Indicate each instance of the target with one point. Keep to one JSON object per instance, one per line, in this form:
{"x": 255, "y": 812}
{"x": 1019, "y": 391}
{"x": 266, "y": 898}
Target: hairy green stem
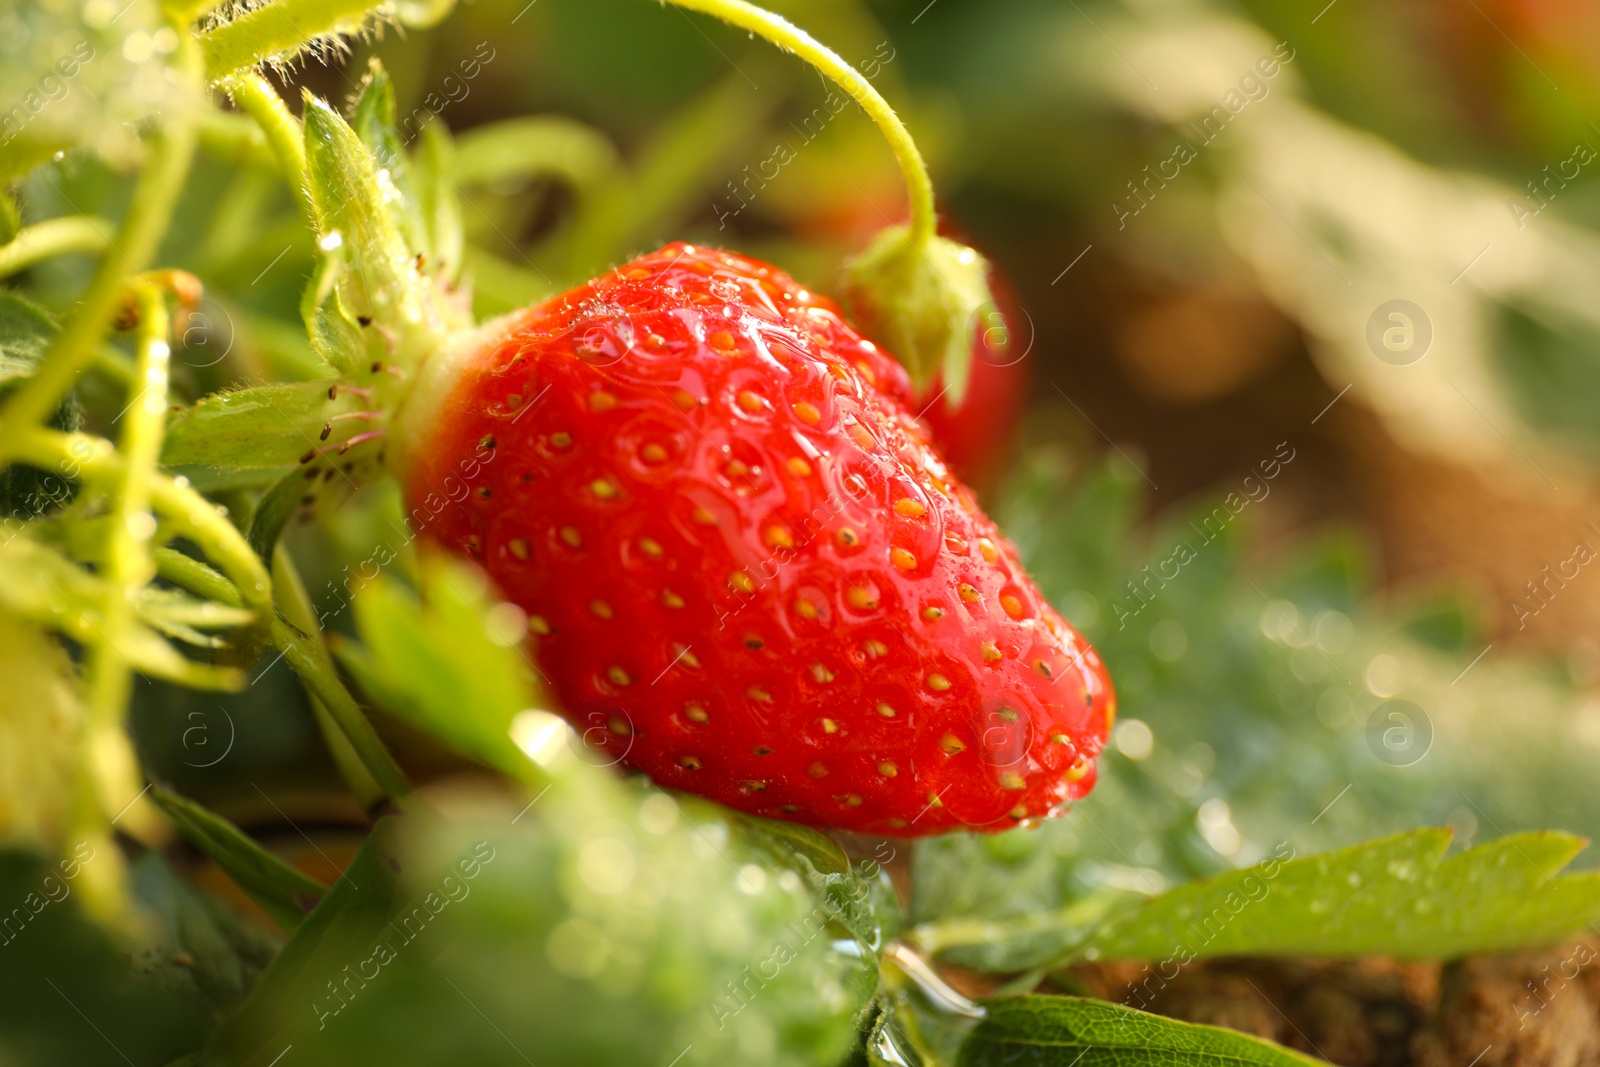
{"x": 295, "y": 603}
{"x": 306, "y": 657}
{"x": 256, "y": 97}
{"x": 171, "y": 149}
{"x": 53, "y": 237}
{"x": 786, "y": 35}
{"x": 278, "y": 30}
{"x": 188, "y": 514}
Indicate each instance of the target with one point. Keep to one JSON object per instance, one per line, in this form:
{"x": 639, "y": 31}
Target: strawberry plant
{"x": 597, "y": 659}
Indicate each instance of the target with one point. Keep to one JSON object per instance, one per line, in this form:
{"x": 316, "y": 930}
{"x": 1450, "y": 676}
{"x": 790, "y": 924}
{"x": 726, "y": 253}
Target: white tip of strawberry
{"x": 919, "y": 299}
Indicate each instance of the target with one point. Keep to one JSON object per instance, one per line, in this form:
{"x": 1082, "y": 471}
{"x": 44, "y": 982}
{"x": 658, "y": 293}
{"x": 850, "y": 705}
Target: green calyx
{"x": 920, "y": 299}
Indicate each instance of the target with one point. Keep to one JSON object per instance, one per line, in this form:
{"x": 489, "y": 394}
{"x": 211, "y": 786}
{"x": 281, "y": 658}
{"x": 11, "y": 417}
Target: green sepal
{"x": 273, "y": 512}
{"x": 380, "y": 282}
{"x": 921, "y": 301}
{"x": 282, "y": 891}
{"x": 262, "y": 426}
{"x": 372, "y": 118}
{"x": 446, "y": 662}
{"x": 438, "y": 204}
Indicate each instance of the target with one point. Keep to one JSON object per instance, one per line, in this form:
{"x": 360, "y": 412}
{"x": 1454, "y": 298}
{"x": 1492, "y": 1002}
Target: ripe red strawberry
{"x": 746, "y": 571}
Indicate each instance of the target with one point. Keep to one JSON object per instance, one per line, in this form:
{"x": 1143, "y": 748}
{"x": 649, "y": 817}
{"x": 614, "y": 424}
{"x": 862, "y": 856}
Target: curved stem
{"x": 278, "y": 30}
{"x": 53, "y": 237}
{"x": 786, "y": 35}
{"x": 256, "y": 97}
{"x": 307, "y": 660}
{"x": 109, "y": 774}
{"x": 190, "y": 514}
{"x": 150, "y": 210}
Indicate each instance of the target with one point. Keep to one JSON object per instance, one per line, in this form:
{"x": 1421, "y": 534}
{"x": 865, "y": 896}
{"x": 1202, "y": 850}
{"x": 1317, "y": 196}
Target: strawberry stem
{"x": 53, "y": 237}
{"x": 277, "y": 31}
{"x": 786, "y": 35}
{"x": 255, "y": 96}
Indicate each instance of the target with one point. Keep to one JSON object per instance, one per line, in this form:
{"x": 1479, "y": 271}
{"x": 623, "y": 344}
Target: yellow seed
{"x": 618, "y": 676}
{"x": 952, "y": 744}
{"x": 817, "y": 770}
{"x": 874, "y": 648}
{"x": 518, "y": 547}
{"x": 620, "y": 726}
{"x": 822, "y": 674}
{"x": 689, "y": 763}
{"x": 933, "y": 613}
{"x": 759, "y": 695}
{"x": 1044, "y": 668}
{"x": 886, "y": 711}
{"x": 938, "y": 683}
{"x": 986, "y": 546}
{"x": 934, "y": 801}
{"x": 650, "y": 547}
{"x": 1012, "y": 780}
{"x": 1060, "y": 739}
{"x": 888, "y": 769}
{"x": 799, "y": 467}
{"x": 863, "y": 437}
{"x": 687, "y": 658}
{"x": 850, "y": 800}
{"x": 859, "y": 597}
{"x": 685, "y": 400}
{"x": 572, "y": 537}
{"x": 750, "y": 402}
{"x": 703, "y": 517}
{"x": 538, "y": 625}
{"x": 753, "y": 787}
{"x": 909, "y": 508}
{"x": 1079, "y": 768}
{"x": 653, "y": 453}
{"x": 561, "y": 440}
{"x": 829, "y": 726}
{"x": 601, "y": 401}
{"x": 695, "y": 713}
{"x": 1011, "y": 605}
{"x": 968, "y": 593}
{"x": 805, "y": 608}
{"x": 723, "y": 341}
{"x": 742, "y": 582}
{"x": 778, "y": 537}
{"x": 1019, "y": 812}
{"x": 671, "y": 599}
{"x": 807, "y": 413}
{"x": 600, "y": 608}
{"x": 847, "y": 537}
{"x": 604, "y": 488}
{"x": 902, "y": 559}
{"x": 991, "y": 652}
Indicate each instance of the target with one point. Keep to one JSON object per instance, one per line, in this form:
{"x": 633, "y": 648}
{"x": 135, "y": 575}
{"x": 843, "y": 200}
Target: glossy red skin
{"x": 774, "y": 709}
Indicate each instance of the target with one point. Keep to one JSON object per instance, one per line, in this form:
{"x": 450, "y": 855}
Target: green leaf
{"x": 921, "y": 301}
{"x": 451, "y": 663}
{"x": 57, "y": 968}
{"x": 373, "y": 121}
{"x": 261, "y": 426}
{"x": 195, "y": 946}
{"x": 282, "y": 891}
{"x": 1392, "y": 896}
{"x": 1050, "y": 1031}
{"x": 599, "y": 921}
